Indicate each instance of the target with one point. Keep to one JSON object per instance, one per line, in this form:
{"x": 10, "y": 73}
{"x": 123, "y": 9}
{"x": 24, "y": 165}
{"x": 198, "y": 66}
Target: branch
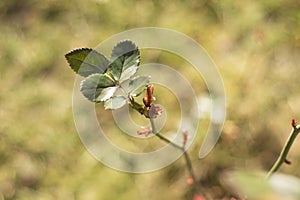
{"x": 186, "y": 156}
{"x": 283, "y": 155}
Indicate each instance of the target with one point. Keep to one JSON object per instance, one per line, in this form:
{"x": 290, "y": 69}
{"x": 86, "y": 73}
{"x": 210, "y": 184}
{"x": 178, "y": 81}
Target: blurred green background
{"x": 255, "y": 45}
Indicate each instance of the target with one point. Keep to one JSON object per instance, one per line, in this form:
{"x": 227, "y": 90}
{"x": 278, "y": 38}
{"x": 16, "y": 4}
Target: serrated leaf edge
{"x": 120, "y": 42}
{"x": 80, "y": 49}
{"x": 84, "y": 80}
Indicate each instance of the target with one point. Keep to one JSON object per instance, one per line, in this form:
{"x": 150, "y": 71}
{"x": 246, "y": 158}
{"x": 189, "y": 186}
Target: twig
{"x": 186, "y": 156}
{"x": 282, "y": 157}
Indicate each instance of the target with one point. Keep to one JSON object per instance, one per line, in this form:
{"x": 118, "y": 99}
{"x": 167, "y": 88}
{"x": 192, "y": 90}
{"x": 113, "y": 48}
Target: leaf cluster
{"x": 103, "y": 76}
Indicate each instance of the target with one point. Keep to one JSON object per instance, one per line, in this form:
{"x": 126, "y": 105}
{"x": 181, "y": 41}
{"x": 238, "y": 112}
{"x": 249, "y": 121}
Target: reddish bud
{"x": 198, "y": 197}
{"x": 149, "y": 96}
{"x": 150, "y": 89}
{"x": 293, "y": 123}
{"x": 190, "y": 181}
{"x": 154, "y": 111}
{"x": 144, "y": 131}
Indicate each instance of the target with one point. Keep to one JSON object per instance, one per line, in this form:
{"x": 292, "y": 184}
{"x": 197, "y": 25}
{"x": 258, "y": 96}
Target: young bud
{"x": 198, "y": 197}
{"x": 154, "y": 111}
{"x": 149, "y": 96}
{"x": 144, "y": 131}
{"x": 190, "y": 181}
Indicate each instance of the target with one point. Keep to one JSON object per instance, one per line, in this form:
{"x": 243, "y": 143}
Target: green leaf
{"x": 87, "y": 61}
{"x": 124, "y": 55}
{"x": 137, "y": 85}
{"x": 115, "y": 102}
{"x": 93, "y": 85}
{"x": 128, "y": 73}
{"x": 106, "y": 94}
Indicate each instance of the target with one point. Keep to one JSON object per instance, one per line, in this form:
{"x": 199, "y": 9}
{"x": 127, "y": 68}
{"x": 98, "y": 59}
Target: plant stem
{"x": 284, "y": 152}
{"x": 140, "y": 109}
{"x": 186, "y": 156}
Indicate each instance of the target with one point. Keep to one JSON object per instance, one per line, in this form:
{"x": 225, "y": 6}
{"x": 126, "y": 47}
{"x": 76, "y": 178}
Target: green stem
{"x": 140, "y": 109}
{"x": 282, "y": 157}
{"x": 186, "y": 156}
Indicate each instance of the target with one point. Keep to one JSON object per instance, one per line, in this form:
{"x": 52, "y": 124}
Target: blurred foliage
{"x": 254, "y": 43}
{"x": 253, "y": 185}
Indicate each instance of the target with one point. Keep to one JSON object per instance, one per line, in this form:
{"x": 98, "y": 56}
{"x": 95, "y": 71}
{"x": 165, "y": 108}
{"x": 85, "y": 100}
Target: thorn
{"x": 185, "y": 134}
{"x": 294, "y": 123}
{"x": 287, "y": 161}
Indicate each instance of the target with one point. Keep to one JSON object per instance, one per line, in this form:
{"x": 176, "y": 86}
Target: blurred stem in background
{"x": 284, "y": 152}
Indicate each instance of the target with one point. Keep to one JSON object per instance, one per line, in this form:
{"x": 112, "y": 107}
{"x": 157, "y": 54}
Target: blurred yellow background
{"x": 255, "y": 45}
